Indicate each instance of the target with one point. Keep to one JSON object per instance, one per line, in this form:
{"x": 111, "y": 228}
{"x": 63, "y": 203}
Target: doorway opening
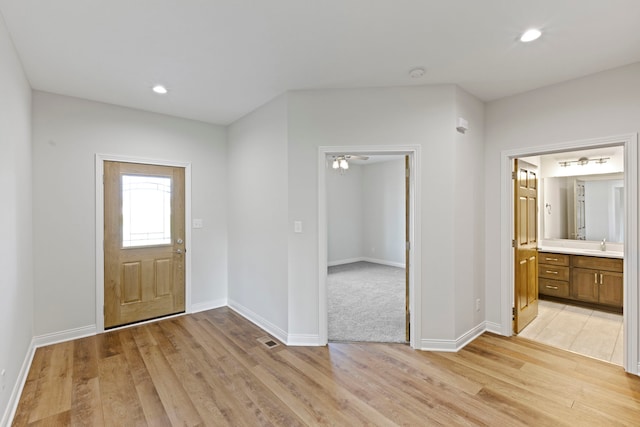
{"x": 367, "y": 288}
{"x": 564, "y": 282}
{"x": 578, "y": 206}
{"x": 399, "y": 257}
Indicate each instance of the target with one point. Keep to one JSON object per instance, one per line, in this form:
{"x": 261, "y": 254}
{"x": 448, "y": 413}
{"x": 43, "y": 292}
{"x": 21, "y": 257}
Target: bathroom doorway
{"x": 555, "y": 309}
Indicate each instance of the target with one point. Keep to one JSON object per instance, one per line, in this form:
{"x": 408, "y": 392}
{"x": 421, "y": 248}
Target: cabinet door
{"x": 584, "y": 284}
{"x": 610, "y": 288}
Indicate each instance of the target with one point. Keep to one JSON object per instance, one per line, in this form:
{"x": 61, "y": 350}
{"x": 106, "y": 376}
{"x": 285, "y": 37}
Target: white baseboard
{"x": 372, "y": 260}
{"x": 62, "y": 336}
{"x": 496, "y": 328}
{"x": 14, "y": 399}
{"x": 208, "y": 305}
{"x": 385, "y": 262}
{"x": 304, "y": 340}
{"x": 259, "y": 321}
{"x": 453, "y": 345}
{"x": 344, "y": 261}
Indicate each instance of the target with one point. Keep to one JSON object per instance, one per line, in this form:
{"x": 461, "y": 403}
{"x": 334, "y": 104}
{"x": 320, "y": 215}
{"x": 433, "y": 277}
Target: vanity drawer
{"x": 554, "y": 288}
{"x": 553, "y": 259}
{"x": 553, "y": 272}
{"x": 597, "y": 263}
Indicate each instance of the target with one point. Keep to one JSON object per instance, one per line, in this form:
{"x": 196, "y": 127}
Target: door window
{"x": 146, "y": 210}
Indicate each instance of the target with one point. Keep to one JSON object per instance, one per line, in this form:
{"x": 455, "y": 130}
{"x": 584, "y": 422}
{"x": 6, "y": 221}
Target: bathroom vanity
{"x": 582, "y": 277}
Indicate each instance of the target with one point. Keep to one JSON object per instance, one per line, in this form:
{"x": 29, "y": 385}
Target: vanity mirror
{"x": 588, "y": 207}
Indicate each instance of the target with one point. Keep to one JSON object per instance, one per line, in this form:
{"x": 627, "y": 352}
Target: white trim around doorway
{"x": 413, "y": 151}
{"x": 631, "y": 296}
{"x": 100, "y": 159}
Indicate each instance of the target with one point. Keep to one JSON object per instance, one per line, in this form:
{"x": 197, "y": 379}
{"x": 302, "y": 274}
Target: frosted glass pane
{"x": 146, "y": 210}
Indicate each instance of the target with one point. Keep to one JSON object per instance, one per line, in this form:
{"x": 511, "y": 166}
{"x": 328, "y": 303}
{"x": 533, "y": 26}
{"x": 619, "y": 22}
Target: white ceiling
{"x": 221, "y": 59}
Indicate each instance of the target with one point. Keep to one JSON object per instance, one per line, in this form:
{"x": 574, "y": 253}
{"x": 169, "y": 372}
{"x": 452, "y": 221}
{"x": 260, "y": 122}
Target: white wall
{"x": 468, "y": 219}
{"x": 422, "y": 116}
{"x": 555, "y": 193}
{"x": 599, "y": 209}
{"x": 67, "y": 134}
{"x": 598, "y": 105}
{"x": 258, "y": 224}
{"x": 365, "y": 213}
{"x": 16, "y": 250}
{"x": 383, "y": 193}
{"x": 345, "y": 215}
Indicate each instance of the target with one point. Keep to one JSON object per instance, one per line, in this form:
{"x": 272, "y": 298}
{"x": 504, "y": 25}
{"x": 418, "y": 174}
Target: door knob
{"x": 179, "y": 251}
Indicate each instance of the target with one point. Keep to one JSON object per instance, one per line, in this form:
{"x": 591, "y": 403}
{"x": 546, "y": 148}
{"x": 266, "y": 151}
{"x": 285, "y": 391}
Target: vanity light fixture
{"x": 530, "y": 35}
{"x": 582, "y": 161}
{"x": 159, "y": 89}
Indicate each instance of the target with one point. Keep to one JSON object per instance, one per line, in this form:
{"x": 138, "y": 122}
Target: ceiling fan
{"x": 342, "y": 161}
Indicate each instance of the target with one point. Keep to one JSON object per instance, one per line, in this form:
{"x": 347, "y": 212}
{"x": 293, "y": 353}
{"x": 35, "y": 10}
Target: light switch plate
{"x": 297, "y": 226}
{"x": 197, "y": 223}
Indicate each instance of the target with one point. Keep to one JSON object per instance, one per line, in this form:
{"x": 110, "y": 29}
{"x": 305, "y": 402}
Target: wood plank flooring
{"x": 210, "y": 369}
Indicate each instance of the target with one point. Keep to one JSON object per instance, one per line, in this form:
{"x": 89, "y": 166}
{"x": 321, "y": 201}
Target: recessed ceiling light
{"x": 160, "y": 89}
{"x": 530, "y": 35}
{"x": 416, "y": 73}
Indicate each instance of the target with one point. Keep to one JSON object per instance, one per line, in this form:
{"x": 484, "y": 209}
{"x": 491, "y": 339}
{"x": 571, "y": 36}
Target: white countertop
{"x": 580, "y": 251}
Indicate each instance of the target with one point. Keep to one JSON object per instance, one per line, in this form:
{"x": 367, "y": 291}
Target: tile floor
{"x": 590, "y": 332}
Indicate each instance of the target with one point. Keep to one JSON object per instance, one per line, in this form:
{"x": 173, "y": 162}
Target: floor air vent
{"x": 268, "y": 342}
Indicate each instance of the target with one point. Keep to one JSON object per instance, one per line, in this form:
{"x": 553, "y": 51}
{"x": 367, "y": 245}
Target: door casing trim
{"x": 631, "y": 302}
{"x": 100, "y": 159}
{"x": 415, "y": 297}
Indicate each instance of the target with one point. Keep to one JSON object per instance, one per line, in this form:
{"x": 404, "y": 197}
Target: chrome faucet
{"x": 603, "y": 244}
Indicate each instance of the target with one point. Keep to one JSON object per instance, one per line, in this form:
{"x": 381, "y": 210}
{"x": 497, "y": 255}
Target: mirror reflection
{"x": 581, "y": 194}
{"x": 587, "y": 207}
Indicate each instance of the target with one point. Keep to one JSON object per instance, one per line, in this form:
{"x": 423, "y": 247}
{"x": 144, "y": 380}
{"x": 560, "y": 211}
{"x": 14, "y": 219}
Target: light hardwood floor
{"x": 210, "y": 369}
{"x": 589, "y": 332}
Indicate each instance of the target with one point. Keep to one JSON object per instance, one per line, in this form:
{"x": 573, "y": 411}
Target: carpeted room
{"x": 366, "y": 281}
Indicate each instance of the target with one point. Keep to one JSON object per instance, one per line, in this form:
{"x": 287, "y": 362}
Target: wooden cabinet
{"x": 587, "y": 279}
{"x": 584, "y": 285}
{"x": 597, "y": 280}
{"x": 553, "y": 274}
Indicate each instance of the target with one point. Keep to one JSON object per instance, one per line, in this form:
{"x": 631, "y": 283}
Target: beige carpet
{"x": 366, "y": 302}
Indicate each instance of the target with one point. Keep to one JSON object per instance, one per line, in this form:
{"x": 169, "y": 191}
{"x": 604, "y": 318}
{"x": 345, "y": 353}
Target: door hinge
{"x": 408, "y": 245}
{"x": 513, "y": 175}
{"x": 513, "y": 313}
{"x": 513, "y": 243}
{"x": 406, "y": 173}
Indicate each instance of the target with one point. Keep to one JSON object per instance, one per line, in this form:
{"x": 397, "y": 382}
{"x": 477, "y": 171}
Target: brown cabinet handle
{"x": 601, "y": 278}
{"x": 551, "y": 259}
{"x": 551, "y": 272}
{"x": 595, "y": 278}
{"x": 551, "y": 287}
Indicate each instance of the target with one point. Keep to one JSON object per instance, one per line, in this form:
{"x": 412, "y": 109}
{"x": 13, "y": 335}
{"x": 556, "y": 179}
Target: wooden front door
{"x": 144, "y": 248}
{"x": 526, "y": 244}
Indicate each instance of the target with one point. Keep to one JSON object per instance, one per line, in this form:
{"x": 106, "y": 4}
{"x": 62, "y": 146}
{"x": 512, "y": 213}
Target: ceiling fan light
{"x": 344, "y": 164}
{"x": 335, "y": 164}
